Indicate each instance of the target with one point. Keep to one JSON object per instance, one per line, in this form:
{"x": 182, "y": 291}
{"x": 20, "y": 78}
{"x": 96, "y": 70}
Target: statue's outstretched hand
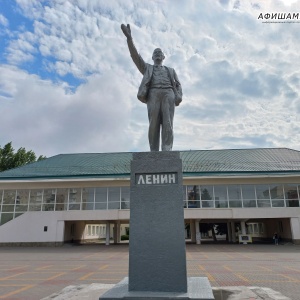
{"x": 126, "y": 30}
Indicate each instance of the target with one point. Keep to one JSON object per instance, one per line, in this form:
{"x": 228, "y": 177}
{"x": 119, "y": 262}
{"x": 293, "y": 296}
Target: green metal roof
{"x": 195, "y": 162}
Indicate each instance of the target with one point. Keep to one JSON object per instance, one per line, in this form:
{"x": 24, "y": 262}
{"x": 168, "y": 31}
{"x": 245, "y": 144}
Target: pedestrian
{"x": 275, "y": 238}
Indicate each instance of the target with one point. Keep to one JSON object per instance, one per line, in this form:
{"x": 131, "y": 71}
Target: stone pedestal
{"x": 198, "y": 289}
{"x": 157, "y": 260}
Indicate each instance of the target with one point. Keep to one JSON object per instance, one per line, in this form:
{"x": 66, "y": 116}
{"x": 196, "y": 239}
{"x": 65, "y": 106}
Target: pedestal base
{"x": 198, "y": 289}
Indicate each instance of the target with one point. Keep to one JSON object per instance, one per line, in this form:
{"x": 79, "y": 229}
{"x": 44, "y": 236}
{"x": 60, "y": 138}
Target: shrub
{"x": 125, "y": 237}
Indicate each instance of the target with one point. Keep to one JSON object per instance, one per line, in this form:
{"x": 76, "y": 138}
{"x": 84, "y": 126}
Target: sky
{"x": 68, "y": 84}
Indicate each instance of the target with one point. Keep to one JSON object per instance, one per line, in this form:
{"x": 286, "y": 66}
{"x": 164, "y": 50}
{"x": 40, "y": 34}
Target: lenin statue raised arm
{"x": 161, "y": 90}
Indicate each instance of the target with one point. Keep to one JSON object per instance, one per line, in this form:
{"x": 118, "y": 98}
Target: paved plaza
{"x": 31, "y": 273}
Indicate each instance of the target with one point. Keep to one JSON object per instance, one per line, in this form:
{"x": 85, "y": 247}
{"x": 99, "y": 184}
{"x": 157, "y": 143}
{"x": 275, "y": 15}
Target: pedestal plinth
{"x": 157, "y": 259}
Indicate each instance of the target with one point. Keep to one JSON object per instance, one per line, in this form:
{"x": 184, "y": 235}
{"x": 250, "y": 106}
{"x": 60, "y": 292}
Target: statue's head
{"x": 158, "y": 56}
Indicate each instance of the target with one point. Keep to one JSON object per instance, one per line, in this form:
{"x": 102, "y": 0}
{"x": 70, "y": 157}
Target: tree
{"x": 9, "y": 159}
{"x": 221, "y": 229}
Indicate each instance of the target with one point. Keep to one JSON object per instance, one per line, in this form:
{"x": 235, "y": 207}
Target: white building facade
{"x": 77, "y": 197}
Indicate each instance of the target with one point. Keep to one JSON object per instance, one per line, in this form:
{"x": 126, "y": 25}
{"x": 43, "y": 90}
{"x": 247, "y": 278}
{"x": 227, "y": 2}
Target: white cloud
{"x": 40, "y": 115}
{"x": 3, "y": 21}
{"x": 240, "y": 77}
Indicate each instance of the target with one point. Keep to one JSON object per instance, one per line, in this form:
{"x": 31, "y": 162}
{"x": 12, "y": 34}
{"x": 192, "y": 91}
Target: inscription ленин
{"x": 169, "y": 178}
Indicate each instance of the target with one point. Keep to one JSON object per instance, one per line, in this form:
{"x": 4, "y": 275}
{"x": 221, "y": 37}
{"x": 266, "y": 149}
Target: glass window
{"x": 249, "y": 229}
{"x": 21, "y": 208}
{"x": 100, "y": 205}
{"x": 249, "y": 203}
{"x": 49, "y": 196}
{"x": 8, "y": 208}
{"x": 208, "y": 204}
{"x": 125, "y": 205}
{"x": 74, "y": 195}
{"x": 5, "y": 217}
{"x": 255, "y": 228}
{"x": 35, "y": 207}
{"x": 291, "y": 195}
{"x": 113, "y": 194}
{"x": 290, "y": 191}
{"x": 18, "y": 214}
{"x": 74, "y": 199}
{"x": 74, "y": 206}
{"x": 292, "y": 203}
{"x": 1, "y": 194}
{"x": 48, "y": 200}
{"x": 36, "y": 197}
{"x": 125, "y": 194}
{"x": 276, "y": 191}
{"x": 263, "y": 203}
{"x": 261, "y": 228}
{"x": 248, "y": 192}
{"x": 221, "y": 204}
{"x": 113, "y": 205}
{"x": 62, "y": 196}
{"x": 22, "y": 197}
{"x": 193, "y": 192}
{"x": 277, "y": 203}
{"x": 262, "y": 191}
{"x": 61, "y": 206}
{"x": 61, "y": 199}
{"x": 101, "y": 195}
{"x": 206, "y": 192}
{"x": 35, "y": 200}
{"x": 193, "y": 204}
{"x": 87, "y": 206}
{"x": 236, "y": 203}
{"x": 88, "y": 195}
{"x": 48, "y": 207}
{"x": 234, "y": 192}
{"x": 9, "y": 197}
{"x": 220, "y": 192}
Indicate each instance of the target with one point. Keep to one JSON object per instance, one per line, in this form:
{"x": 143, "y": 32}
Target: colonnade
{"x": 195, "y": 230}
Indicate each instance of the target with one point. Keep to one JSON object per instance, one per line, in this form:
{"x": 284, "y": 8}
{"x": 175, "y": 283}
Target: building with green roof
{"x": 85, "y": 196}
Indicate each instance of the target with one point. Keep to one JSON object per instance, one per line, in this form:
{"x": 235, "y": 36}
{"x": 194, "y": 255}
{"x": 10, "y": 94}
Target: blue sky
{"x": 67, "y": 82}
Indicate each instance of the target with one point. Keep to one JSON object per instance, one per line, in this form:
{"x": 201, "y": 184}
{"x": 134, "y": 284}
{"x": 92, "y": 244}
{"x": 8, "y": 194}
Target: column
{"x": 115, "y": 233}
{"x": 229, "y": 232}
{"x": 107, "y": 233}
{"x": 295, "y": 230}
{"x": 233, "y": 237}
{"x": 198, "y": 233}
{"x": 243, "y": 227}
{"x": 118, "y": 231}
{"x": 193, "y": 231}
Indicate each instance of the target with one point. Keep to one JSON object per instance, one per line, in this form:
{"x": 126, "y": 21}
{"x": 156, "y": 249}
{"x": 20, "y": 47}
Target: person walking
{"x": 275, "y": 238}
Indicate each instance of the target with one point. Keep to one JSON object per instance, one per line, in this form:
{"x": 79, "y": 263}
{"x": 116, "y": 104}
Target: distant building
{"x": 72, "y": 197}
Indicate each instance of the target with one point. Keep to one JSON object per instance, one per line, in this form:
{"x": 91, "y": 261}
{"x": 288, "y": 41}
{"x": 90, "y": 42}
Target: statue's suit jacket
{"x": 147, "y": 71}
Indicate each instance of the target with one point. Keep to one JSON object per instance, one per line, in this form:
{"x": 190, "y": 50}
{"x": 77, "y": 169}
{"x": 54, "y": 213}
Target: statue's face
{"x": 158, "y": 55}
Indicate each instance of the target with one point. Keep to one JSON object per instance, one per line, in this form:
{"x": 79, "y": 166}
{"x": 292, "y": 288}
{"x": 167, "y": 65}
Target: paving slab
{"x": 31, "y": 273}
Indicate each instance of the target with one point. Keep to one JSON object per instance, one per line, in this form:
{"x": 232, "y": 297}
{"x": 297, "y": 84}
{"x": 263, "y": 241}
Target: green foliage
{"x": 221, "y": 228}
{"x": 124, "y": 237}
{"x": 10, "y": 159}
